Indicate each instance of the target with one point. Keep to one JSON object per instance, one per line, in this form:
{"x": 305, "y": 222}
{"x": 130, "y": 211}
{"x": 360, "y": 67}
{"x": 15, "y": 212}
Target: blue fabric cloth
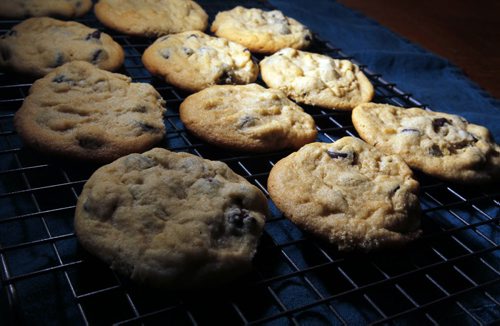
{"x": 431, "y": 79}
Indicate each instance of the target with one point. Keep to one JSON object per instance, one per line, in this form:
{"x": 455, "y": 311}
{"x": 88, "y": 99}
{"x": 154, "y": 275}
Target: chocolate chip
{"x": 246, "y": 121}
{"x": 239, "y": 220}
{"x": 439, "y": 122}
{"x": 148, "y": 128}
{"x": 90, "y": 142}
{"x": 165, "y": 53}
{"x": 140, "y": 108}
{"x": 96, "y": 57}
{"x": 307, "y": 37}
{"x": 435, "y": 151}
{"x": 227, "y": 77}
{"x": 337, "y": 155}
{"x": 59, "y": 60}
{"x": 188, "y": 51}
{"x": 462, "y": 144}
{"x": 61, "y": 79}
{"x": 86, "y": 206}
{"x": 94, "y": 35}
{"x": 393, "y": 191}
{"x": 78, "y": 4}
{"x": 410, "y": 131}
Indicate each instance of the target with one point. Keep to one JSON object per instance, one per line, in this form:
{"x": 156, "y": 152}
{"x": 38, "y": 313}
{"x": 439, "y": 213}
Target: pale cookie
{"x": 261, "y": 31}
{"x": 194, "y": 61}
{"x": 247, "y": 118}
{"x": 442, "y": 145}
{"x": 151, "y": 18}
{"x": 348, "y": 193}
{"x": 317, "y": 79}
{"x": 171, "y": 220}
{"x": 38, "y": 8}
{"x": 38, "y": 45}
{"x": 79, "y": 111}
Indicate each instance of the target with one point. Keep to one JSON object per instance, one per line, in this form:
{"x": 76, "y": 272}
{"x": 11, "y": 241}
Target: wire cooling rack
{"x": 450, "y": 276}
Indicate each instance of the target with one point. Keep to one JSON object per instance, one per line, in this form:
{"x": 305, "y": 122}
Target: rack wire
{"x": 451, "y": 275}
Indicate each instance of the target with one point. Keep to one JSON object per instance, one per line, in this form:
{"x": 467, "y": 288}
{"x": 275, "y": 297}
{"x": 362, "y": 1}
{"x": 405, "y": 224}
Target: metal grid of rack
{"x": 450, "y": 275}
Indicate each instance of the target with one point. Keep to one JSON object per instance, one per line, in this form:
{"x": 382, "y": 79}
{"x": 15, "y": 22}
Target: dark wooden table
{"x": 465, "y": 32}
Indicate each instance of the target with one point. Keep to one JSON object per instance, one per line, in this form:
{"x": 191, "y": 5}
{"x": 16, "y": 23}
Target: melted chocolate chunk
{"x": 96, "y": 57}
{"x": 148, "y": 128}
{"x": 239, "y": 219}
{"x": 410, "y": 131}
{"x": 435, "y": 151}
{"x": 140, "y": 108}
{"x": 307, "y": 38}
{"x": 61, "y": 79}
{"x": 165, "y": 53}
{"x": 90, "y": 142}
{"x": 94, "y": 35}
{"x": 454, "y": 147}
{"x": 337, "y": 155}
{"x": 227, "y": 77}
{"x": 59, "y": 60}
{"x": 246, "y": 121}
{"x": 188, "y": 51}
{"x": 439, "y": 122}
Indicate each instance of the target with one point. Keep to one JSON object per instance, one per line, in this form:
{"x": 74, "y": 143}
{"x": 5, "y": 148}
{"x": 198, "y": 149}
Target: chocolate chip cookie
{"x": 171, "y": 220}
{"x": 38, "y": 45}
{"x": 38, "y": 8}
{"x": 79, "y": 111}
{"x": 317, "y": 79}
{"x": 261, "y": 31}
{"x": 247, "y": 118}
{"x": 443, "y": 145}
{"x": 348, "y": 193}
{"x": 194, "y": 60}
{"x": 151, "y": 18}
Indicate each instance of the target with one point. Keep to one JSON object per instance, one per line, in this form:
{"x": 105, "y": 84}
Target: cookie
{"x": 38, "y": 45}
{"x": 79, "y": 111}
{"x": 171, "y": 220}
{"x": 348, "y": 193}
{"x": 247, "y": 118}
{"x": 194, "y": 61}
{"x": 38, "y": 8}
{"x": 317, "y": 79}
{"x": 443, "y": 145}
{"x": 151, "y": 18}
{"x": 261, "y": 31}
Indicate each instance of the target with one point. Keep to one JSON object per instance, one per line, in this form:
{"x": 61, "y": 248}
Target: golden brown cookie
{"x": 261, "y": 31}
{"x": 151, "y": 18}
{"x": 443, "y": 145}
{"x": 317, "y": 79}
{"x": 37, "y": 46}
{"x": 79, "y": 111}
{"x": 247, "y": 118}
{"x": 348, "y": 193}
{"x": 194, "y": 61}
{"x": 171, "y": 220}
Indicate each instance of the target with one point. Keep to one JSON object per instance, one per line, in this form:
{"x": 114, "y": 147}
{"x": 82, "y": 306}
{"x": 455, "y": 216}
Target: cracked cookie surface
{"x": 317, "y": 79}
{"x": 151, "y": 18}
{"x": 194, "y": 61}
{"x": 261, "y": 31}
{"x": 170, "y": 219}
{"x": 79, "y": 111}
{"x": 37, "y": 46}
{"x": 38, "y": 8}
{"x": 442, "y": 145}
{"x": 348, "y": 193}
{"x": 247, "y": 118}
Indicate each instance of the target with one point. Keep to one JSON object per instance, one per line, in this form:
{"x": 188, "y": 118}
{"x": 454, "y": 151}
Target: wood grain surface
{"x": 465, "y": 32}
